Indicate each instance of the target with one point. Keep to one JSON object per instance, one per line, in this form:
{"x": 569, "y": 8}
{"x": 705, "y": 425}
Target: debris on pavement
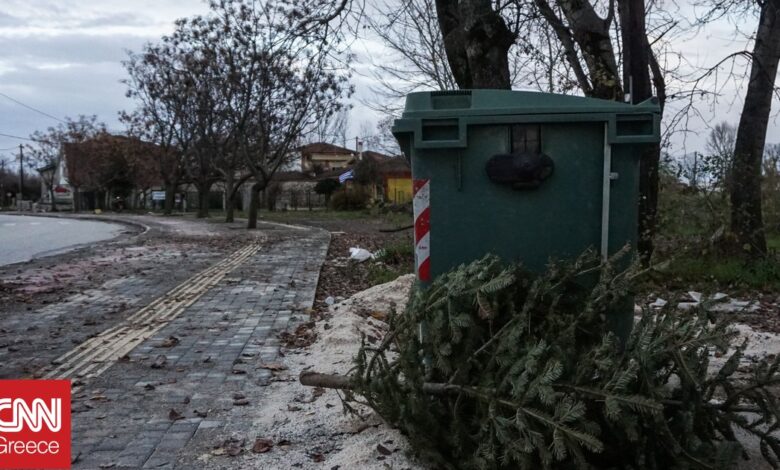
{"x": 340, "y": 277}
{"x": 159, "y": 362}
{"x": 262, "y": 445}
{"x": 718, "y": 302}
{"x": 360, "y": 254}
{"x": 312, "y": 422}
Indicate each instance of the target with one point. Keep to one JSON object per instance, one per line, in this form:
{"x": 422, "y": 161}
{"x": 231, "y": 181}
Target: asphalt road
{"x": 24, "y": 238}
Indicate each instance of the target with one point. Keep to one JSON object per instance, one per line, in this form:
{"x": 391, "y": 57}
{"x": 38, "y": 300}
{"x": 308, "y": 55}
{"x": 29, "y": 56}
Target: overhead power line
{"x": 31, "y": 108}
{"x": 17, "y": 137}
{"x": 40, "y": 141}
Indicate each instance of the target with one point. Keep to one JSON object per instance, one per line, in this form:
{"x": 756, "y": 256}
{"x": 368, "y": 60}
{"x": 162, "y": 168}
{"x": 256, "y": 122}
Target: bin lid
{"x": 454, "y": 103}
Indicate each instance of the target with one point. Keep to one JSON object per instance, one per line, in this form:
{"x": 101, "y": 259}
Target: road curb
{"x": 99, "y": 218}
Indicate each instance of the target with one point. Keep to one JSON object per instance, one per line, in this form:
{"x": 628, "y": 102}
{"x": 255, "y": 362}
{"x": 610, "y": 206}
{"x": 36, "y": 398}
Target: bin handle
{"x": 525, "y": 170}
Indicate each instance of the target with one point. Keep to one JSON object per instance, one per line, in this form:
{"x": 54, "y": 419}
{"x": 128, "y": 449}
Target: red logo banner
{"x": 34, "y": 424}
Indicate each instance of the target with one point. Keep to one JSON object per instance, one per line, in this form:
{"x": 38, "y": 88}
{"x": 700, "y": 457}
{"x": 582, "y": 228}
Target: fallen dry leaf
{"x": 159, "y": 362}
{"x": 262, "y": 445}
{"x": 379, "y": 315}
{"x": 169, "y": 342}
{"x": 233, "y": 446}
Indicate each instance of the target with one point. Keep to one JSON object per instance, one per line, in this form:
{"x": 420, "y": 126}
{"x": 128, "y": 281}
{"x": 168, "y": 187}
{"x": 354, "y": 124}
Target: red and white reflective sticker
{"x": 422, "y": 228}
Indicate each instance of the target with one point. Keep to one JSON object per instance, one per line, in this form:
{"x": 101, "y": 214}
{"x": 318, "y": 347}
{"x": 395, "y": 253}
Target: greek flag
{"x": 346, "y": 176}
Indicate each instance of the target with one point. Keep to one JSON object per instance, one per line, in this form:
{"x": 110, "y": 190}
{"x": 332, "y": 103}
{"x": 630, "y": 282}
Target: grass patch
{"x": 388, "y": 219}
{"x": 399, "y": 254}
{"x": 382, "y": 273}
{"x": 773, "y": 242}
{"x": 732, "y": 272}
{"x": 393, "y": 260}
{"x": 314, "y": 215}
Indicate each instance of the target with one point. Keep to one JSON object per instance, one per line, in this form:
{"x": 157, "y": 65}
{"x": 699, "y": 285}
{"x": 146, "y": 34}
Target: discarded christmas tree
{"x": 521, "y": 371}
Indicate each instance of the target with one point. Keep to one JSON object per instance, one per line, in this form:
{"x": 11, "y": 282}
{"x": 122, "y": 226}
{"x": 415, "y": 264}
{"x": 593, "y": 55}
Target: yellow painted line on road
{"x": 94, "y": 356}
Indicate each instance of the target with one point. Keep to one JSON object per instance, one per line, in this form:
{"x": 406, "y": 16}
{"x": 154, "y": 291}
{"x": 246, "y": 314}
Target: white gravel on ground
{"x": 311, "y": 431}
{"x": 309, "y": 428}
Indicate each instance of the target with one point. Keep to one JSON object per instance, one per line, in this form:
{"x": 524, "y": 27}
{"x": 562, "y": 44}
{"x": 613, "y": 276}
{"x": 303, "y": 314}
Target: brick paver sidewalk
{"x": 194, "y": 382}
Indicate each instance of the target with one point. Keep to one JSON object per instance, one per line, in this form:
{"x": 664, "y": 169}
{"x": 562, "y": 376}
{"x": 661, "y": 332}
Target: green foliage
{"x": 367, "y": 172}
{"x": 521, "y": 371}
{"x": 693, "y": 236}
{"x": 725, "y": 271}
{"x": 382, "y": 273}
{"x": 352, "y": 199}
{"x": 327, "y": 186}
{"x": 397, "y": 253}
{"x": 393, "y": 260}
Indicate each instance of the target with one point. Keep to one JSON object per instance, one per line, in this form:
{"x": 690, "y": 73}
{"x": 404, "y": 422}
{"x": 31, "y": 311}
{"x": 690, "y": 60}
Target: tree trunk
{"x": 592, "y": 34}
{"x": 230, "y": 202}
{"x": 203, "y": 201}
{"x": 746, "y": 217}
{"x": 648, "y": 201}
{"x": 477, "y": 42}
{"x": 76, "y": 199}
{"x": 254, "y": 205}
{"x": 637, "y": 82}
{"x": 170, "y": 198}
{"x": 230, "y": 208}
{"x": 53, "y": 201}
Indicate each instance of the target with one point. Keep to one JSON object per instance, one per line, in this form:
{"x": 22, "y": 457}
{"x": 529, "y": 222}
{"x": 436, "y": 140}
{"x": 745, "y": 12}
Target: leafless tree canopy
{"x": 232, "y": 93}
{"x": 47, "y": 146}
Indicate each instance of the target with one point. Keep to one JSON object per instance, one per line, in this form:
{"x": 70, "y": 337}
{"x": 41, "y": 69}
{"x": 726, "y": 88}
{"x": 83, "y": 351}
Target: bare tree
{"x": 153, "y": 83}
{"x": 202, "y": 102}
{"x": 47, "y": 151}
{"x": 746, "y": 214}
{"x": 691, "y": 167}
{"x": 410, "y": 30}
{"x": 381, "y": 138}
{"x": 477, "y": 40}
{"x": 771, "y": 185}
{"x": 720, "y": 155}
{"x": 284, "y": 78}
{"x": 332, "y": 129}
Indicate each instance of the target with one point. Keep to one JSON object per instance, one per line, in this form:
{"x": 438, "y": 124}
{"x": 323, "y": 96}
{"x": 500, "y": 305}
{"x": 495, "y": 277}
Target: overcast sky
{"x": 64, "y": 58}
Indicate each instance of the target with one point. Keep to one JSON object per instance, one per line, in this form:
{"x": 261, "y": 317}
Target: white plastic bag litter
{"x": 659, "y": 303}
{"x": 360, "y": 254}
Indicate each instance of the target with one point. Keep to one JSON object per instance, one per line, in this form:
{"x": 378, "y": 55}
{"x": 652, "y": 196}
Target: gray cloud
{"x": 117, "y": 19}
{"x": 73, "y": 48}
{"x": 8, "y": 20}
{"x": 64, "y": 57}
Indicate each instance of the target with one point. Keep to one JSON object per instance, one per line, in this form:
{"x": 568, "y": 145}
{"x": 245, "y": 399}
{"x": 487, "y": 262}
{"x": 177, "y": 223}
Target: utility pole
{"x": 2, "y": 188}
{"x": 21, "y": 172}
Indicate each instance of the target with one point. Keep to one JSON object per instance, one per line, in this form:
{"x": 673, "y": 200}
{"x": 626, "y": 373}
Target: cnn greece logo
{"x": 34, "y": 424}
{"x": 35, "y": 417}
